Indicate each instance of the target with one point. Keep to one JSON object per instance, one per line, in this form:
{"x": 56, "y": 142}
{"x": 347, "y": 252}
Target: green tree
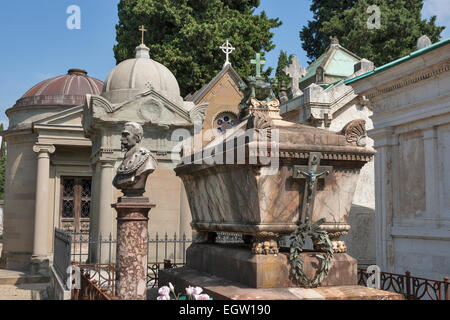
{"x": 314, "y": 39}
{"x": 401, "y": 25}
{"x": 283, "y": 61}
{"x": 185, "y": 35}
{"x": 2, "y": 165}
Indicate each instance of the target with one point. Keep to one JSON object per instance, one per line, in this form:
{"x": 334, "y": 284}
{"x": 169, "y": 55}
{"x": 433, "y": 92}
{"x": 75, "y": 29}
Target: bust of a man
{"x": 137, "y": 165}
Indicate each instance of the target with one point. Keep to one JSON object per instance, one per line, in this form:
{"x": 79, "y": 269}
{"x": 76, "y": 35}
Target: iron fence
{"x": 413, "y": 288}
{"x": 160, "y": 248}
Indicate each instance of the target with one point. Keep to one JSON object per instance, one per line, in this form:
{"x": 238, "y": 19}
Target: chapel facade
{"x": 48, "y": 172}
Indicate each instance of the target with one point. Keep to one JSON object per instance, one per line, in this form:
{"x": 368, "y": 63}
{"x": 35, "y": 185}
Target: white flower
{"x": 202, "y": 297}
{"x": 171, "y": 287}
{"x": 163, "y": 298}
{"x": 164, "y": 291}
{"x": 189, "y": 291}
{"x": 197, "y": 291}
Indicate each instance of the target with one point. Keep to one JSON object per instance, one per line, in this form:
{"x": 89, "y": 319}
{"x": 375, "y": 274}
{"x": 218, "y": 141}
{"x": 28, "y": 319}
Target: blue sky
{"x": 37, "y": 45}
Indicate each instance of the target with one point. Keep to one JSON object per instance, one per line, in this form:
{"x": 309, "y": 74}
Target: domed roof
{"x": 134, "y": 76}
{"x": 69, "y": 89}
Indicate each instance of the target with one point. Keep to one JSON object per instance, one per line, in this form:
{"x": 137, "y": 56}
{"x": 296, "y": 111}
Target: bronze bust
{"x": 137, "y": 165}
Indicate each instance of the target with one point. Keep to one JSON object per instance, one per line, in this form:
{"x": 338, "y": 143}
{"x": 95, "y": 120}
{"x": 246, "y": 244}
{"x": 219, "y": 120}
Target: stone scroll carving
{"x": 355, "y": 132}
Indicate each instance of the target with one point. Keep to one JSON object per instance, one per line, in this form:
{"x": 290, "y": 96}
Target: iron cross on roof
{"x": 143, "y": 30}
{"x": 312, "y": 173}
{"x": 227, "y": 48}
{"x": 259, "y": 63}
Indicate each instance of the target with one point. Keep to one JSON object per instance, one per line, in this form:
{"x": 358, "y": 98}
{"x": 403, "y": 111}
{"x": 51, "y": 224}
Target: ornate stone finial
{"x": 259, "y": 63}
{"x": 227, "y": 48}
{"x": 423, "y": 42}
{"x": 137, "y": 165}
{"x": 334, "y": 40}
{"x": 143, "y": 30}
{"x": 295, "y": 72}
{"x": 142, "y": 51}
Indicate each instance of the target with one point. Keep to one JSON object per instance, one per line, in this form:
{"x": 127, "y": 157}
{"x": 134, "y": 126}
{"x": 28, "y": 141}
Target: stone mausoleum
{"x": 64, "y": 146}
{"x": 410, "y": 101}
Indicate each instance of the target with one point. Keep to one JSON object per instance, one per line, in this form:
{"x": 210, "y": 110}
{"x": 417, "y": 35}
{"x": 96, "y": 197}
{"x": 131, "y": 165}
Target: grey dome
{"x": 134, "y": 76}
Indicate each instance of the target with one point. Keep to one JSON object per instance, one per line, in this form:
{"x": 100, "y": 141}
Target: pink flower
{"x": 163, "y": 298}
{"x": 202, "y": 297}
{"x": 189, "y": 291}
{"x": 164, "y": 291}
{"x": 197, "y": 291}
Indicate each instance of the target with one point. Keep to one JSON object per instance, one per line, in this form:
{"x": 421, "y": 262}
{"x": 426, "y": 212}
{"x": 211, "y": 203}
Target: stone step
{"x": 10, "y": 277}
{"x": 33, "y": 291}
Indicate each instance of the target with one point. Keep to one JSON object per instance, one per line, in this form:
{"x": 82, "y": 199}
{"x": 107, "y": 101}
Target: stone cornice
{"x": 410, "y": 80}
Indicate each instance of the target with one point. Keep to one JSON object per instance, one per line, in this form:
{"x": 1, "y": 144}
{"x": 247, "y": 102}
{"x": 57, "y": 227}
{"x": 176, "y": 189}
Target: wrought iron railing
{"x": 98, "y": 280}
{"x": 413, "y": 288}
{"x": 160, "y": 248}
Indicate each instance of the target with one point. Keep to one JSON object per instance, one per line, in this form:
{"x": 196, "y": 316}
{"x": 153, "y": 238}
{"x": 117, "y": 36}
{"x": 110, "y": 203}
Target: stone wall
{"x": 20, "y": 190}
{"x": 411, "y": 116}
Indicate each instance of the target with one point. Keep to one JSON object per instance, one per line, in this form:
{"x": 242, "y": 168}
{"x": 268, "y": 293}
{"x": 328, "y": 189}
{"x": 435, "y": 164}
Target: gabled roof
{"x": 401, "y": 60}
{"x": 197, "y": 96}
{"x": 336, "y": 61}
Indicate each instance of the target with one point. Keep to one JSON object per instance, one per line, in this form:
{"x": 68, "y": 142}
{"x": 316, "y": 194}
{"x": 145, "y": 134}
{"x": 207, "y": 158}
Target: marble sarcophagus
{"x": 265, "y": 176}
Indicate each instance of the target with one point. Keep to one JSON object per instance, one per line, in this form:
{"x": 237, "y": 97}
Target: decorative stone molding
{"x": 99, "y": 101}
{"x": 266, "y": 243}
{"x": 198, "y": 113}
{"x": 355, "y": 132}
{"x": 44, "y": 148}
{"x": 444, "y": 67}
{"x": 260, "y": 120}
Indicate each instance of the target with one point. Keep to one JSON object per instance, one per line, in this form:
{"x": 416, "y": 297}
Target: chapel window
{"x": 75, "y": 204}
{"x": 225, "y": 121}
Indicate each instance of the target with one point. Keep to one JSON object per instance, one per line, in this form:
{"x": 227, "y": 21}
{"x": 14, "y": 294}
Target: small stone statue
{"x": 137, "y": 165}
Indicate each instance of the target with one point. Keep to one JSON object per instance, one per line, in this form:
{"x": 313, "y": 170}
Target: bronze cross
{"x": 259, "y": 63}
{"x": 143, "y": 30}
{"x": 312, "y": 173}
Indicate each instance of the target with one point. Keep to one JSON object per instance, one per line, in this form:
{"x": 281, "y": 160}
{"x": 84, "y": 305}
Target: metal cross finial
{"x": 259, "y": 63}
{"x": 227, "y": 48}
{"x": 143, "y": 30}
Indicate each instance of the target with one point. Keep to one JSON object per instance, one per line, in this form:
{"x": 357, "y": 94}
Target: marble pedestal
{"x": 238, "y": 263}
{"x": 131, "y": 256}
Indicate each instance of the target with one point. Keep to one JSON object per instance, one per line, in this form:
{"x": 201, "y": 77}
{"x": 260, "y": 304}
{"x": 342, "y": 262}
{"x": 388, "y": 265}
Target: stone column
{"x": 132, "y": 242}
{"x": 41, "y": 228}
{"x": 384, "y": 140}
{"x": 102, "y": 198}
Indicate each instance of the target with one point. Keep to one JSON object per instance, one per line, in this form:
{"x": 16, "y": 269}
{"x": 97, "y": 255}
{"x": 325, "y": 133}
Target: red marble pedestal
{"x": 131, "y": 256}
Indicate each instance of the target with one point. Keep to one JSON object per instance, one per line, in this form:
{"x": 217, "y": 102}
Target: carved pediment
{"x": 149, "y": 107}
